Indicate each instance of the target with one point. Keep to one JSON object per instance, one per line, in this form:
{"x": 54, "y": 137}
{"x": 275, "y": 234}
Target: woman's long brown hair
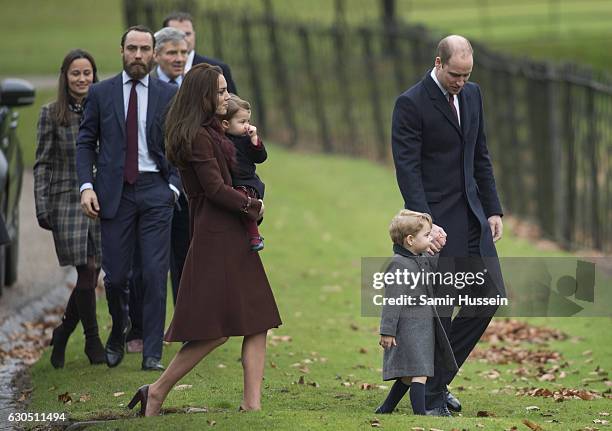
{"x": 194, "y": 106}
{"x": 62, "y": 112}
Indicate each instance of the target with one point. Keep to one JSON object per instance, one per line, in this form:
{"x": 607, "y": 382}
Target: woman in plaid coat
{"x": 58, "y": 209}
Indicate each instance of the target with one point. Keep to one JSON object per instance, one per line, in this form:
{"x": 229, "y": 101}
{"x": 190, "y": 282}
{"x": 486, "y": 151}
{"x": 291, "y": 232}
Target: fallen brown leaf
{"x": 64, "y": 398}
{"x": 532, "y": 425}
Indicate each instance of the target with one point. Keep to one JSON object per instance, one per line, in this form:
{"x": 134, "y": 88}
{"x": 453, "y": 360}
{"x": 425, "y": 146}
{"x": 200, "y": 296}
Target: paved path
{"x": 41, "y": 285}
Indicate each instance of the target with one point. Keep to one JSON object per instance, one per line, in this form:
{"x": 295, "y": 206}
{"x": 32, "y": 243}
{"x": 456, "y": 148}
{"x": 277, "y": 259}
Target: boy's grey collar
{"x": 402, "y": 251}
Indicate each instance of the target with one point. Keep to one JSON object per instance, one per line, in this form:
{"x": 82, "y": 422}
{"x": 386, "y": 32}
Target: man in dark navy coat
{"x": 443, "y": 168}
{"x": 184, "y": 22}
{"x": 133, "y": 191}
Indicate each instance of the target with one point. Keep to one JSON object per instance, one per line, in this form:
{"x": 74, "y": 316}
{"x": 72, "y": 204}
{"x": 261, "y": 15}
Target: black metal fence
{"x": 332, "y": 87}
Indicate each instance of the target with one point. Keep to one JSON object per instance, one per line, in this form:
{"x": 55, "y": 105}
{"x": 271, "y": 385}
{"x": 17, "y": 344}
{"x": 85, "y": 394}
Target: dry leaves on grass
{"x": 28, "y": 344}
{"x": 490, "y": 374}
{"x": 302, "y": 381}
{"x": 561, "y": 394}
{"x": 275, "y": 340}
{"x": 65, "y": 398}
{"x": 514, "y": 354}
{"x": 513, "y": 331}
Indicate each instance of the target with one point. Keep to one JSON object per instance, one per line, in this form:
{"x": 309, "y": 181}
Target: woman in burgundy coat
{"x": 224, "y": 290}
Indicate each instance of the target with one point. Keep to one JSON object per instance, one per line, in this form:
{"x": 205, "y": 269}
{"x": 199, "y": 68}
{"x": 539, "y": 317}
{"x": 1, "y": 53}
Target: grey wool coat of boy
{"x": 420, "y": 337}
{"x": 56, "y": 190}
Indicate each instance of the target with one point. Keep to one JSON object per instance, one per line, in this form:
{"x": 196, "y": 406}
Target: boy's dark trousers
{"x": 465, "y": 329}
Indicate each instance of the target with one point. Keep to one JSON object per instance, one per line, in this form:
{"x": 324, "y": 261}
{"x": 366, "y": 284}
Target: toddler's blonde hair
{"x": 407, "y": 222}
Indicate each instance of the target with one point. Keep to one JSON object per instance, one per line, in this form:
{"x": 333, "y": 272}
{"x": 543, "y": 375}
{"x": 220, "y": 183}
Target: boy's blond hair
{"x": 407, "y": 222}
{"x": 234, "y": 105}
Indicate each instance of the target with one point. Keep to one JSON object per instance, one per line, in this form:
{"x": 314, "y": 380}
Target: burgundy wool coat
{"x": 224, "y": 290}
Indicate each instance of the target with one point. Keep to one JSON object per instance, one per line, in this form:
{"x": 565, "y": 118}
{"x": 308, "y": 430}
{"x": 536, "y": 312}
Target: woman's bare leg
{"x": 188, "y": 357}
{"x": 253, "y": 360}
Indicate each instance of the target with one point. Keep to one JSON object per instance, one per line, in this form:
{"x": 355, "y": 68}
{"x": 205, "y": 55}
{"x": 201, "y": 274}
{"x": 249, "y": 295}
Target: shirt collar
{"x": 435, "y": 78}
{"x": 161, "y": 75}
{"x": 189, "y": 62}
{"x": 126, "y": 78}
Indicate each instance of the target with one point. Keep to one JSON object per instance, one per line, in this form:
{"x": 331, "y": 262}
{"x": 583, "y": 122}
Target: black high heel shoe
{"x": 140, "y": 396}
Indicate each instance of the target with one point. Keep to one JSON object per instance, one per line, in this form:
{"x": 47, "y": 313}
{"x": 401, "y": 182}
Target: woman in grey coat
{"x": 58, "y": 203}
{"x": 411, "y": 332}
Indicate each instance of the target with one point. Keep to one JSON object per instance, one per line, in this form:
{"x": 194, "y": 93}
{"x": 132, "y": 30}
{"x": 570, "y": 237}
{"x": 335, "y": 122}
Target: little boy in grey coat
{"x": 411, "y": 332}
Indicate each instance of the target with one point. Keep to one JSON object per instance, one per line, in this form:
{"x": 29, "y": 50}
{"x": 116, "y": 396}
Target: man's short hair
{"x": 140, "y": 28}
{"x": 449, "y": 46}
{"x": 167, "y": 34}
{"x": 177, "y": 16}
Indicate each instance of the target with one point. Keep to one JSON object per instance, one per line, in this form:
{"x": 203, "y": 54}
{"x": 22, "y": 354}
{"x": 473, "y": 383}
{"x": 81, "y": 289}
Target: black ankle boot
{"x": 94, "y": 349}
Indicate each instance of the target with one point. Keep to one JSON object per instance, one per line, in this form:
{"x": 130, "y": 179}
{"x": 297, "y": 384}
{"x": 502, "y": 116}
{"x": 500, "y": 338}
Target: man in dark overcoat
{"x": 443, "y": 168}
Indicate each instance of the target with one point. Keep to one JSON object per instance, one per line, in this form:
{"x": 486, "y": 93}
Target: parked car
{"x": 13, "y": 93}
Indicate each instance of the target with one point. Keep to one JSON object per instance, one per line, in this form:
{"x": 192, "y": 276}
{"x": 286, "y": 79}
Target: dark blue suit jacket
{"x": 444, "y": 169}
{"x": 102, "y": 139}
{"x": 227, "y": 73}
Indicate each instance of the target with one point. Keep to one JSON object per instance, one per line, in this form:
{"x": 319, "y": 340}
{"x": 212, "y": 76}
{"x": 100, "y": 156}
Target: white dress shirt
{"x": 189, "y": 63}
{"x": 445, "y": 92}
{"x": 163, "y": 77}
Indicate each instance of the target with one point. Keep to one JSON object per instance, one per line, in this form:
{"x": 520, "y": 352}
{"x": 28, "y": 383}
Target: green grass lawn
{"x": 38, "y": 34}
{"x": 323, "y": 215}
{"x": 563, "y": 30}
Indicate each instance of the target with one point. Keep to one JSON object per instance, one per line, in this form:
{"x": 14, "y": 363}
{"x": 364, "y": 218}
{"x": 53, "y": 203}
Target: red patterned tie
{"x": 130, "y": 172}
{"x": 451, "y": 101}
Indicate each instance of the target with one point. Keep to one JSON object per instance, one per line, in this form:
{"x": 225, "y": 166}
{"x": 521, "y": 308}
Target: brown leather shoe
{"x": 134, "y": 346}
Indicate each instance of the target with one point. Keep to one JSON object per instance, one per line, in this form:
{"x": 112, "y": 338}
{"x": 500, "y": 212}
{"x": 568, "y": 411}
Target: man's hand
{"x": 387, "y": 341}
{"x": 89, "y": 203}
{"x": 261, "y": 210}
{"x": 438, "y": 240}
{"x": 497, "y": 227}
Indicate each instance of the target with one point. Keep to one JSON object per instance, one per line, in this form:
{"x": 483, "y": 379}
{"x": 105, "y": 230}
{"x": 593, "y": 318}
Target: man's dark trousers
{"x": 144, "y": 215}
{"x": 466, "y": 328}
{"x": 179, "y": 245}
